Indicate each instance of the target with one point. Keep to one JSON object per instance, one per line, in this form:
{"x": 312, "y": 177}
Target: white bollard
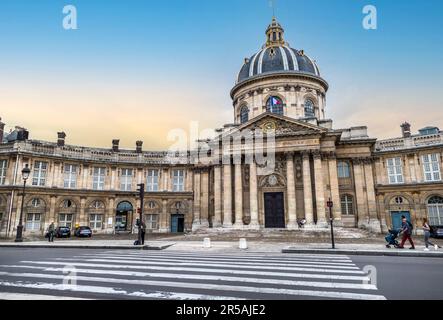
{"x": 206, "y": 242}
{"x": 243, "y": 244}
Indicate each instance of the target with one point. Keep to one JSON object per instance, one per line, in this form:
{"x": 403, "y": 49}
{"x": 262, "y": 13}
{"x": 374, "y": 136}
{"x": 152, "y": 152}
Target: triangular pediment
{"x": 283, "y": 126}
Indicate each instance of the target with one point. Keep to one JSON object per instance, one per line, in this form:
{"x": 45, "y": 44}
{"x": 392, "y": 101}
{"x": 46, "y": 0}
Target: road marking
{"x": 312, "y": 268}
{"x": 335, "y": 285}
{"x": 30, "y": 296}
{"x": 112, "y": 291}
{"x": 261, "y": 261}
{"x": 204, "y": 270}
{"x": 207, "y": 286}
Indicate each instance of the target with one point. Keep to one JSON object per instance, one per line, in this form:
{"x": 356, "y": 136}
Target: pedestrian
{"x": 142, "y": 232}
{"x": 51, "y": 232}
{"x": 427, "y": 233}
{"x": 406, "y": 229}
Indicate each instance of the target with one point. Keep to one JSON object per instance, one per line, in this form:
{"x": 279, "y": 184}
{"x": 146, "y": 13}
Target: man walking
{"x": 406, "y": 229}
{"x": 142, "y": 232}
{"x": 51, "y": 232}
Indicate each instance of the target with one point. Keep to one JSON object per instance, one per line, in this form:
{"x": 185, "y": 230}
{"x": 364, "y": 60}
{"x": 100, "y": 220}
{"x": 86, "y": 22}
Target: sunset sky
{"x": 136, "y": 69}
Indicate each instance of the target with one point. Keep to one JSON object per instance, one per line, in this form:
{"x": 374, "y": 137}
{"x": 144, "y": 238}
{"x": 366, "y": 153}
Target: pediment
{"x": 283, "y": 126}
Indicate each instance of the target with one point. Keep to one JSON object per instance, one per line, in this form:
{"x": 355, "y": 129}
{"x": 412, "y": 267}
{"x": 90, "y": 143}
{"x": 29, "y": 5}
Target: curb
{"x": 47, "y": 246}
{"x": 367, "y": 252}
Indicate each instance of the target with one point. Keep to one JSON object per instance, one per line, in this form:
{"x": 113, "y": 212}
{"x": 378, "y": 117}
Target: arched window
{"x": 244, "y": 114}
{"x": 309, "y": 108}
{"x": 435, "y": 211}
{"x": 347, "y": 205}
{"x": 275, "y": 105}
{"x": 124, "y": 206}
{"x": 343, "y": 169}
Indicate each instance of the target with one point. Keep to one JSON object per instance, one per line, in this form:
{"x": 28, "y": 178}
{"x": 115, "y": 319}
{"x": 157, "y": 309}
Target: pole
{"x": 331, "y": 219}
{"x": 19, "y": 235}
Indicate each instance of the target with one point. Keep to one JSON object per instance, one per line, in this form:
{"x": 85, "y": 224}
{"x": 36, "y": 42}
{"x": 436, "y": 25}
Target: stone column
{"x": 82, "y": 220}
{"x": 335, "y": 194}
{"x": 204, "y": 199}
{"x": 307, "y": 190}
{"x": 164, "y": 217}
{"x": 362, "y": 213}
{"x": 373, "y": 223}
{"x": 238, "y": 197}
{"x": 52, "y": 212}
{"x": 253, "y": 192}
{"x": 227, "y": 196}
{"x": 292, "y": 212}
{"x": 216, "y": 223}
{"x": 113, "y": 178}
{"x": 319, "y": 191}
{"x": 418, "y": 168}
{"x": 196, "y": 218}
{"x": 111, "y": 214}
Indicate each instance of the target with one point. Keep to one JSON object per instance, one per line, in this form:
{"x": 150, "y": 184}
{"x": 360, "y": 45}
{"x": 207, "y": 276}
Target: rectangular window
{"x": 65, "y": 220}
{"x": 33, "y": 221}
{"x": 395, "y": 170}
{"x": 70, "y": 176}
{"x": 98, "y": 178}
{"x": 431, "y": 167}
{"x": 39, "y": 176}
{"x": 343, "y": 170}
{"x": 3, "y": 168}
{"x": 152, "y": 221}
{"x": 95, "y": 221}
{"x": 178, "y": 180}
{"x": 152, "y": 181}
{"x": 126, "y": 180}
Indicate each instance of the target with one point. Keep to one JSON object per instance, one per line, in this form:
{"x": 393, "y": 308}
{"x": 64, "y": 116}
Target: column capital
{"x": 305, "y": 154}
{"x": 329, "y": 155}
{"x": 290, "y": 155}
{"x": 316, "y": 154}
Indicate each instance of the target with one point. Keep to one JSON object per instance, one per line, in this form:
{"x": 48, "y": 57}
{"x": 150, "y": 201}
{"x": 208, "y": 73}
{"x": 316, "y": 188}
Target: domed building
{"x": 293, "y": 78}
{"x": 277, "y": 166}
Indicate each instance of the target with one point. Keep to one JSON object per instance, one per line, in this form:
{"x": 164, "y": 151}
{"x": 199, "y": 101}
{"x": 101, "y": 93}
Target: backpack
{"x": 410, "y": 226}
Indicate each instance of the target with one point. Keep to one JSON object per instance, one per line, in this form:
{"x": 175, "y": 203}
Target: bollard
{"x": 243, "y": 244}
{"x": 207, "y": 243}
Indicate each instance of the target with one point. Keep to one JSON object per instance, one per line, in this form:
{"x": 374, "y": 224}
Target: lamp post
{"x": 331, "y": 218}
{"x": 25, "y": 175}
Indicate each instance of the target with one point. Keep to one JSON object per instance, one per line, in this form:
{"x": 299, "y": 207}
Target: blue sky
{"x": 180, "y": 58}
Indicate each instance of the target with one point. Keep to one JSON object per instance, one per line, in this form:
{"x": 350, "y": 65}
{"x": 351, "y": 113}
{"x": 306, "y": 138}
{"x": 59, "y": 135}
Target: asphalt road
{"x": 114, "y": 274}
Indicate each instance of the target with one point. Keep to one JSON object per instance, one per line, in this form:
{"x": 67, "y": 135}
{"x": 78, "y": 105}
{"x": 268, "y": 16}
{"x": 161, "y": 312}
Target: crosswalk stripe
{"x": 206, "y": 286}
{"x": 334, "y": 285}
{"x": 307, "y": 268}
{"x": 236, "y": 255}
{"x": 261, "y": 261}
{"x": 31, "y": 296}
{"x": 112, "y": 291}
{"x": 203, "y": 270}
{"x": 233, "y": 262}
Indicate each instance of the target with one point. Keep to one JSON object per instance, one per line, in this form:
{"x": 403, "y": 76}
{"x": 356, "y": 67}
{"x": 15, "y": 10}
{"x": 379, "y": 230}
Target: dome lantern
{"x": 275, "y": 34}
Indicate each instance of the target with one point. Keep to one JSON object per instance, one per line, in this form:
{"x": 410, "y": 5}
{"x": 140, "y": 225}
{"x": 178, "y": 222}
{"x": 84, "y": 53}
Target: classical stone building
{"x": 279, "y": 92}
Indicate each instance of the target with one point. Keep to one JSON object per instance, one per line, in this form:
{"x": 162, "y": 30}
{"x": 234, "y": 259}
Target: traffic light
{"x": 141, "y": 190}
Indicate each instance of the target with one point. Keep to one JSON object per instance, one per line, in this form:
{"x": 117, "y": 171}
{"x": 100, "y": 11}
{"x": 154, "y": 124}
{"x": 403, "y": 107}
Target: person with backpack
{"x": 406, "y": 229}
{"x": 427, "y": 234}
{"x": 51, "y": 232}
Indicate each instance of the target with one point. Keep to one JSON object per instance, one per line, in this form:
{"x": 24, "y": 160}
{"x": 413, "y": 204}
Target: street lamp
{"x": 331, "y": 218}
{"x": 25, "y": 175}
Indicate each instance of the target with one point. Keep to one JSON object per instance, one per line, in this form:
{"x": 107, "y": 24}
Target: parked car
{"x": 62, "y": 232}
{"x": 83, "y": 232}
{"x": 437, "y": 231}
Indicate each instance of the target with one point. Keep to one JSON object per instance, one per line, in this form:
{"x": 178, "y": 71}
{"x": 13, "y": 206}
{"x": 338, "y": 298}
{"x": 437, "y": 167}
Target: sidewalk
{"x": 89, "y": 244}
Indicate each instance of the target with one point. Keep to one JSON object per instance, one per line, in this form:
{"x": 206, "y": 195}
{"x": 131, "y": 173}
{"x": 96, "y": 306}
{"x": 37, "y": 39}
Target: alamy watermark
{"x": 70, "y": 18}
{"x": 69, "y": 278}
{"x": 370, "y": 19}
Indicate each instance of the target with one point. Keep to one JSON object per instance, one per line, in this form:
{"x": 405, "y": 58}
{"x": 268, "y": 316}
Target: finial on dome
{"x": 275, "y": 34}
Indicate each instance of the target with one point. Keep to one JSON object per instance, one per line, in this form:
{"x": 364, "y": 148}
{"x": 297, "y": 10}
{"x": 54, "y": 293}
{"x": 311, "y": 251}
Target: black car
{"x": 83, "y": 232}
{"x": 437, "y": 231}
{"x": 63, "y": 232}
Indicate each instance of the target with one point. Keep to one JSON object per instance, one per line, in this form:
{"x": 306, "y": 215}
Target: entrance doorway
{"x": 396, "y": 218}
{"x": 123, "y": 216}
{"x": 274, "y": 210}
{"x": 177, "y": 223}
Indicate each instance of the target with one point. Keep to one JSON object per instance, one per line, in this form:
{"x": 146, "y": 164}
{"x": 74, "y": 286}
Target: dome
{"x": 277, "y": 57}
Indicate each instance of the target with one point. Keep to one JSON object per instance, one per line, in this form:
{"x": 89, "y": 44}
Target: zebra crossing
{"x": 187, "y": 276}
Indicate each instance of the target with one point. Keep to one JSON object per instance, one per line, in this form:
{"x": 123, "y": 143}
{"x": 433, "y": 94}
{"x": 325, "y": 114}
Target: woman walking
{"x": 427, "y": 232}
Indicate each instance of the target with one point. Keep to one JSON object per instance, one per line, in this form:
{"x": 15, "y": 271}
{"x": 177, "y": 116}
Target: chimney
{"x": 406, "y": 130}
{"x": 2, "y": 129}
{"x": 61, "y": 139}
{"x": 115, "y": 143}
{"x": 139, "y": 145}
